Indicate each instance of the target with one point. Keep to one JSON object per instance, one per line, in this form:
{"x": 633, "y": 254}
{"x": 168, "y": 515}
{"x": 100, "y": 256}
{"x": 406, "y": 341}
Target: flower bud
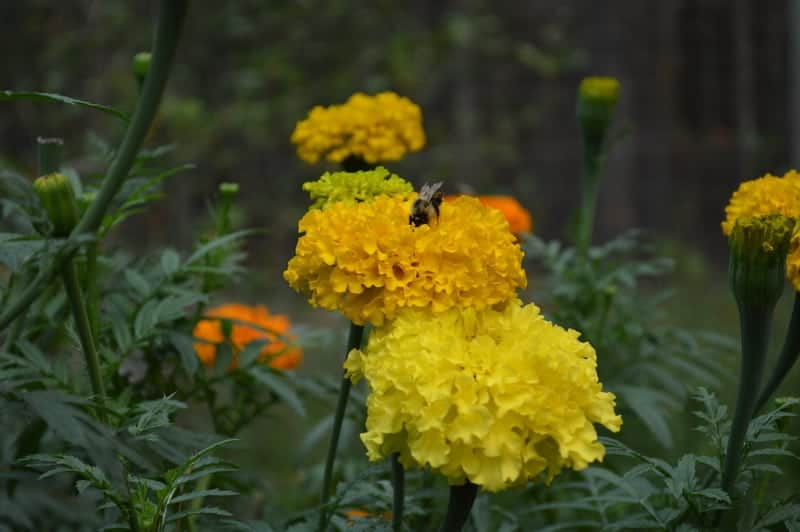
{"x": 597, "y": 97}
{"x": 757, "y": 269}
{"x": 140, "y": 66}
{"x": 58, "y": 199}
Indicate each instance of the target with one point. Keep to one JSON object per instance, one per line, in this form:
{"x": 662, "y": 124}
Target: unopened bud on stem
{"x": 58, "y": 199}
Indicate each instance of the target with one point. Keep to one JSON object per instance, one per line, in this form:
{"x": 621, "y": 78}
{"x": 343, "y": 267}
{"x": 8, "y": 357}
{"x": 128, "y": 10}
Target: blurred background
{"x": 706, "y": 102}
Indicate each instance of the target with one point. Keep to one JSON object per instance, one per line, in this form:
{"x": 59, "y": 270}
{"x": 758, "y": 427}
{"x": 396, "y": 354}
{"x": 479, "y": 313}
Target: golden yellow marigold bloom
{"x": 266, "y": 326}
{"x": 766, "y": 195}
{"x": 355, "y": 186}
{"x": 366, "y": 261}
{"x": 383, "y": 127}
{"x": 496, "y": 396}
{"x": 518, "y": 217}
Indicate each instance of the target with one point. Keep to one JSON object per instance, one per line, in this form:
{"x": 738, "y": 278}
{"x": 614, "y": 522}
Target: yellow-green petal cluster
{"x": 599, "y": 89}
{"x": 366, "y": 261}
{"x": 383, "y": 127}
{"x": 354, "y": 187}
{"x": 766, "y": 195}
{"x": 495, "y": 396}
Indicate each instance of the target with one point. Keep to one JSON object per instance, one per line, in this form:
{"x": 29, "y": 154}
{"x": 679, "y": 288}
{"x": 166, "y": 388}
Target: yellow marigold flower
{"x": 376, "y": 128}
{"x": 267, "y": 326}
{"x": 766, "y": 195}
{"x": 366, "y": 261}
{"x": 355, "y": 186}
{"x": 495, "y": 396}
{"x": 518, "y": 217}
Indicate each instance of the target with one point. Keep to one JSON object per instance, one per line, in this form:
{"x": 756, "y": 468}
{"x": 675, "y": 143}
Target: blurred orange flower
{"x": 267, "y": 326}
{"x": 358, "y": 514}
{"x": 519, "y": 219}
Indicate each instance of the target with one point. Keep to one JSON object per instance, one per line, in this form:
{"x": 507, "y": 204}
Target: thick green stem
{"x": 755, "y": 323}
{"x": 398, "y": 496}
{"x": 786, "y": 359}
{"x": 92, "y": 287}
{"x": 593, "y": 157}
{"x": 353, "y": 342}
{"x": 459, "y": 506}
{"x": 168, "y": 29}
{"x": 84, "y": 328}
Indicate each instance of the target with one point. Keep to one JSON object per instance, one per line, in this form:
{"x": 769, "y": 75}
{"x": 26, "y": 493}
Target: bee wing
{"x": 427, "y": 191}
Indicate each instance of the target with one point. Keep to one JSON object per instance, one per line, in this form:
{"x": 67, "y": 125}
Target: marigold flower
{"x": 366, "y": 261}
{"x": 376, "y": 128}
{"x": 493, "y": 396}
{"x": 518, "y": 217}
{"x": 355, "y": 186}
{"x": 766, "y": 195}
{"x": 266, "y": 326}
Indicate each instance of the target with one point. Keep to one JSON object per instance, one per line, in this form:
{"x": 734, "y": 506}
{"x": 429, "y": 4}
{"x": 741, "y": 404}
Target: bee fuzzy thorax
{"x": 425, "y": 209}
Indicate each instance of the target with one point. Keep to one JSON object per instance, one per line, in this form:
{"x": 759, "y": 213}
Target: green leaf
{"x": 138, "y": 282}
{"x": 208, "y": 510}
{"x": 170, "y": 262}
{"x": 277, "y": 384}
{"x": 207, "y": 248}
{"x": 779, "y": 514}
{"x": 185, "y": 347}
{"x": 202, "y": 493}
{"x": 60, "y": 98}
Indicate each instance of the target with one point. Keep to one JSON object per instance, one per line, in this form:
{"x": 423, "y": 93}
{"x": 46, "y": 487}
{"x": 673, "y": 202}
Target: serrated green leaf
{"x": 779, "y": 514}
{"x": 207, "y": 510}
{"x": 170, "y": 262}
{"x": 207, "y": 248}
{"x": 185, "y": 347}
{"x": 277, "y": 384}
{"x": 202, "y": 493}
{"x": 138, "y": 282}
{"x": 8, "y": 95}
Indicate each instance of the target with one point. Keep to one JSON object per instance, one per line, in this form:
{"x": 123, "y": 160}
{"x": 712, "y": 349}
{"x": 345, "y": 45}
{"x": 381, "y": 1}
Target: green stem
{"x": 92, "y": 287}
{"x": 353, "y": 342}
{"x": 592, "y": 166}
{"x": 398, "y": 488}
{"x": 75, "y": 296}
{"x": 755, "y": 324}
{"x": 167, "y": 32}
{"x": 787, "y": 357}
{"x": 459, "y": 506}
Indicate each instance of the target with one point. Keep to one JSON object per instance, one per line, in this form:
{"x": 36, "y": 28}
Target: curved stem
{"x": 398, "y": 488}
{"x": 755, "y": 324}
{"x": 353, "y": 342}
{"x": 84, "y": 328}
{"x": 459, "y": 506}
{"x": 167, "y": 32}
{"x": 787, "y": 358}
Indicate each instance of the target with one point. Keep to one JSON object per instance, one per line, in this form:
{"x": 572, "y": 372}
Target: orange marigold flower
{"x": 265, "y": 326}
{"x": 518, "y": 217}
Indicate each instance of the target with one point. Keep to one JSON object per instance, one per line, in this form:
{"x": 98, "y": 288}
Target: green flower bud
{"x": 140, "y": 66}
{"x": 597, "y": 97}
{"x": 228, "y": 190}
{"x": 757, "y": 269}
{"x": 58, "y": 199}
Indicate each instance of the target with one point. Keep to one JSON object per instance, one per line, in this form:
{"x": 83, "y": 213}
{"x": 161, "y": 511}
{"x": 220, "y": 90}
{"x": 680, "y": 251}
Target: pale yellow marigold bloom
{"x": 364, "y": 185}
{"x": 497, "y": 397}
{"x": 376, "y": 128}
{"x": 366, "y": 261}
{"x": 766, "y": 195}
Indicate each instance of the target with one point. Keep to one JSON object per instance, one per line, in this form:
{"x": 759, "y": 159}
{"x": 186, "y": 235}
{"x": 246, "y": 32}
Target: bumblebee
{"x": 426, "y": 207}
